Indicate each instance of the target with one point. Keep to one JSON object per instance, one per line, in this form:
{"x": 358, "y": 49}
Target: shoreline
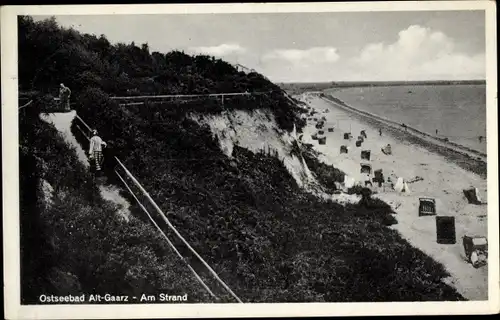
{"x": 467, "y": 158}
{"x": 298, "y": 88}
{"x": 413, "y": 130}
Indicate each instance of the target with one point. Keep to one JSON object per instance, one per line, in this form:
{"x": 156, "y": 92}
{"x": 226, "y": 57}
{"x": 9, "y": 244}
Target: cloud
{"x": 221, "y": 50}
{"x": 313, "y": 55}
{"x": 418, "y": 54}
{"x": 306, "y": 65}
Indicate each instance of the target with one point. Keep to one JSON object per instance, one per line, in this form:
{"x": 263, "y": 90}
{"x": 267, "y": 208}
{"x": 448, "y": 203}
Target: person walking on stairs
{"x": 64, "y": 94}
{"x": 95, "y": 150}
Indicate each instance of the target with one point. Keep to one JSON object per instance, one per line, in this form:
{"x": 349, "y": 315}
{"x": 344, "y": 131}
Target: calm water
{"x": 456, "y": 111}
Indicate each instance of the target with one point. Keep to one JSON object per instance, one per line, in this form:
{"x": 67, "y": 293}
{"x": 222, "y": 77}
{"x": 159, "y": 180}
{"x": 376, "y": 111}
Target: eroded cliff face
{"x": 258, "y": 131}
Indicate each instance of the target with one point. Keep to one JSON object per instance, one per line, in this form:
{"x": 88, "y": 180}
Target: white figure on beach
{"x": 401, "y": 186}
{"x": 349, "y": 182}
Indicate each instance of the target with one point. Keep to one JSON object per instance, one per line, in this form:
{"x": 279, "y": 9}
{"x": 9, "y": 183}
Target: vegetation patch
{"x": 326, "y": 174}
{"x": 76, "y": 243}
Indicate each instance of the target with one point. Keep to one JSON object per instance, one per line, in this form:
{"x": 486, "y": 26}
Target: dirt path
{"x": 442, "y": 180}
{"x": 62, "y": 122}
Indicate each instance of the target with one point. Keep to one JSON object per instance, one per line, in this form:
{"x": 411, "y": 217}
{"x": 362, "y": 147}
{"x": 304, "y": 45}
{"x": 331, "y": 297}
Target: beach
{"x": 437, "y": 176}
{"x": 423, "y": 106}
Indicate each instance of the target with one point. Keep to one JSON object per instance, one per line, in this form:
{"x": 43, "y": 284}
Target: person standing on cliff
{"x": 64, "y": 94}
{"x": 95, "y": 150}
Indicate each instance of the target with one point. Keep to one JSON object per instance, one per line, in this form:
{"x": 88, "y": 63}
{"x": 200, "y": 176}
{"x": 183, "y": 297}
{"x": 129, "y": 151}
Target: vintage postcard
{"x": 250, "y": 160}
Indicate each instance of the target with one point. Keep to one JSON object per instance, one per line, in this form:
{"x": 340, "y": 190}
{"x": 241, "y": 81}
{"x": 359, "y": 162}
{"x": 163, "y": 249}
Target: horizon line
{"x": 377, "y": 81}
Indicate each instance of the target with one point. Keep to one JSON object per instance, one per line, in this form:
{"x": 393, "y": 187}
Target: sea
{"x": 457, "y": 112}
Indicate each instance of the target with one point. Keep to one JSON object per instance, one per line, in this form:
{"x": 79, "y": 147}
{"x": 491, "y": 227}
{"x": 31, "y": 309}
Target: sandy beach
{"x": 442, "y": 180}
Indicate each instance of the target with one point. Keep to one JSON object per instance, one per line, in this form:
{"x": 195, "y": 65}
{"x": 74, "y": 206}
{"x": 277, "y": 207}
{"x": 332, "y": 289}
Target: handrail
{"x": 27, "y": 104}
{"x": 86, "y": 136}
{"x": 193, "y": 95}
{"x": 131, "y": 104}
{"x": 166, "y": 238}
{"x": 137, "y": 183}
{"x": 77, "y": 116}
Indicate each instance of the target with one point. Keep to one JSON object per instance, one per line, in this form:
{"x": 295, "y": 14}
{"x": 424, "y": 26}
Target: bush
{"x": 83, "y": 61}
{"x": 356, "y": 189}
{"x": 327, "y": 175}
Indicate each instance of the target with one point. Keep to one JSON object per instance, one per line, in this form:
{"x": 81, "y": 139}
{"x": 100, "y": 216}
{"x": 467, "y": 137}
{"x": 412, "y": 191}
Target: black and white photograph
{"x": 194, "y": 161}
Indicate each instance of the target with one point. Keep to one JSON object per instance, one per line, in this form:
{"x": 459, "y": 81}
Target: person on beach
{"x": 437, "y": 132}
{"x": 95, "y": 150}
{"x": 380, "y": 132}
{"x": 64, "y": 94}
{"x": 480, "y": 139}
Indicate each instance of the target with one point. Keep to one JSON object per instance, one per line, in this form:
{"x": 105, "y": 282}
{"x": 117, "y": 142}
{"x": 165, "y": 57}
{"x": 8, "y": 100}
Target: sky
{"x": 314, "y": 47}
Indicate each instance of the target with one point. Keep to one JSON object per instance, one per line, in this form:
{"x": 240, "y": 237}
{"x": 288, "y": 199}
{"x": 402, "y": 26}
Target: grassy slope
{"x": 77, "y": 244}
{"x": 265, "y": 236}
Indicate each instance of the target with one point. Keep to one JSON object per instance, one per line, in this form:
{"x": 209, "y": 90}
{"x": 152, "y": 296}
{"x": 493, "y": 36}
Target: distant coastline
{"x": 352, "y": 84}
